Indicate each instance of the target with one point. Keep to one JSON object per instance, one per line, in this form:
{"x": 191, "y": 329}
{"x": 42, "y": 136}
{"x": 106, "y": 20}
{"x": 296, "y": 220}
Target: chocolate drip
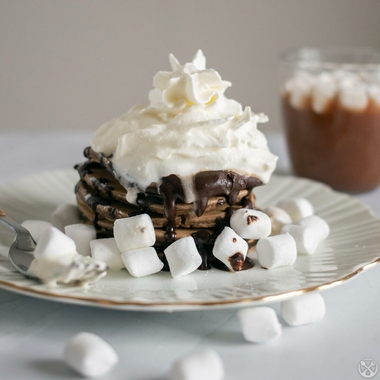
{"x": 236, "y": 261}
{"x": 171, "y": 190}
{"x": 220, "y": 182}
{"x": 170, "y": 234}
{"x": 202, "y": 241}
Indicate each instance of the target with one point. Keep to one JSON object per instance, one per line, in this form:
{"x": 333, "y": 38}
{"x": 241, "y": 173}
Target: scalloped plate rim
{"x": 47, "y": 294}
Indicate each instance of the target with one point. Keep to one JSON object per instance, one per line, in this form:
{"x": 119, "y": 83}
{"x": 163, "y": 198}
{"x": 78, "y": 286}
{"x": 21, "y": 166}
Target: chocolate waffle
{"x": 102, "y": 199}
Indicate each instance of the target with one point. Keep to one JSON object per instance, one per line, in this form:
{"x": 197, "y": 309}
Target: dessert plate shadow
{"x": 353, "y": 246}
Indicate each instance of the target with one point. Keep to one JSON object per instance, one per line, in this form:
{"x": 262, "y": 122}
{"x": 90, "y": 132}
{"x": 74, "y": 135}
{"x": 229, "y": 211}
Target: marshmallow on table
{"x": 36, "y": 227}
{"x": 230, "y": 249}
{"x": 90, "y": 355}
{"x": 54, "y": 243}
{"x": 202, "y": 365}
{"x": 65, "y": 214}
{"x": 304, "y": 309}
{"x": 317, "y": 224}
{"x": 142, "y": 261}
{"x": 276, "y": 251}
{"x": 134, "y": 232}
{"x": 278, "y": 217}
{"x": 183, "y": 257}
{"x": 297, "y": 208}
{"x": 305, "y": 237}
{"x": 106, "y": 250}
{"x": 82, "y": 234}
{"x": 251, "y": 224}
{"x": 259, "y": 324}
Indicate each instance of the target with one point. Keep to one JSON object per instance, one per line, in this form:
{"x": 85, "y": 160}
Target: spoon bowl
{"x": 21, "y": 251}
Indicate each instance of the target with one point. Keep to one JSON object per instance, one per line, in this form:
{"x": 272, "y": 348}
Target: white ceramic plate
{"x": 353, "y": 245}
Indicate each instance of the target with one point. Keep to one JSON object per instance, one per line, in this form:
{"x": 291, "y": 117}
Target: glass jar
{"x": 331, "y": 110}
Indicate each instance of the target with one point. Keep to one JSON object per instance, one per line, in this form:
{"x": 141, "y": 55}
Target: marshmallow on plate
{"x": 90, "y": 355}
{"x": 305, "y": 237}
{"x": 56, "y": 260}
{"x": 304, "y": 309}
{"x": 230, "y": 249}
{"x": 106, "y": 250}
{"x": 276, "y": 251}
{"x": 251, "y": 224}
{"x": 259, "y": 324}
{"x": 36, "y": 228}
{"x": 278, "y": 218}
{"x": 183, "y": 257}
{"x": 54, "y": 243}
{"x": 297, "y": 208}
{"x": 142, "y": 261}
{"x": 317, "y": 224}
{"x": 134, "y": 232}
{"x": 202, "y": 365}
{"x": 65, "y": 214}
{"x": 82, "y": 234}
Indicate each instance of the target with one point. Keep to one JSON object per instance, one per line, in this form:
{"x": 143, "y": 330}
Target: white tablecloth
{"x": 33, "y": 332}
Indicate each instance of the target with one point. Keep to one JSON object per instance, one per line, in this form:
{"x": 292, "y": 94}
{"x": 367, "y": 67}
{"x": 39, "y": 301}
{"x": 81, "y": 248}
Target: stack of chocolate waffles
{"x": 102, "y": 199}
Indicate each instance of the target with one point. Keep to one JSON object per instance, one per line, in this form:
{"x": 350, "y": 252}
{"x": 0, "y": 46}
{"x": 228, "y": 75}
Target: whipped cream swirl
{"x": 188, "y": 127}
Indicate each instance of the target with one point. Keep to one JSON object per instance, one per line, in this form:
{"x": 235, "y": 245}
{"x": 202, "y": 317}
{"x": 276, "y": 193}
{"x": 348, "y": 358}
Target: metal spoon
{"x": 21, "y": 251}
{"x": 81, "y": 269}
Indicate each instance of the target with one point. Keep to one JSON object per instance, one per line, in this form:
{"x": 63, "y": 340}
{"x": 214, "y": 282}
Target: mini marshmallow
{"x": 306, "y": 238}
{"x": 278, "y": 217}
{"x": 353, "y": 95}
{"x": 90, "y": 355}
{"x": 64, "y": 215}
{"x": 82, "y": 234}
{"x": 374, "y": 92}
{"x": 276, "y": 251}
{"x": 202, "y": 365}
{"x": 36, "y": 228}
{"x": 251, "y": 224}
{"x": 106, "y": 250}
{"x": 299, "y": 89}
{"x": 54, "y": 243}
{"x": 134, "y": 232}
{"x": 304, "y": 309}
{"x": 297, "y": 208}
{"x": 317, "y": 224}
{"x": 230, "y": 249}
{"x": 183, "y": 257}
{"x": 323, "y": 92}
{"x": 259, "y": 324}
{"x": 142, "y": 261}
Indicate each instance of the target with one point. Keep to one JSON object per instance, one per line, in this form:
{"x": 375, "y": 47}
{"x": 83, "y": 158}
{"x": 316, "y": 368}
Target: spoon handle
{"x": 2, "y": 213}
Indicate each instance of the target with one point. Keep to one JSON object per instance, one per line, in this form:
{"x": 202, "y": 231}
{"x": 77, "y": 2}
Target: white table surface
{"x": 33, "y": 332}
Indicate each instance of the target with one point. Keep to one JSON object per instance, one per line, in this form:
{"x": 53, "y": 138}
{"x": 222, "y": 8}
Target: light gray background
{"x": 75, "y": 64}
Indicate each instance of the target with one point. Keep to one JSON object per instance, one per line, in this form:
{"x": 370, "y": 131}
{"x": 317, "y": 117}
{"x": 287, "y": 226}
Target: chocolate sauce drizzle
{"x": 169, "y": 192}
